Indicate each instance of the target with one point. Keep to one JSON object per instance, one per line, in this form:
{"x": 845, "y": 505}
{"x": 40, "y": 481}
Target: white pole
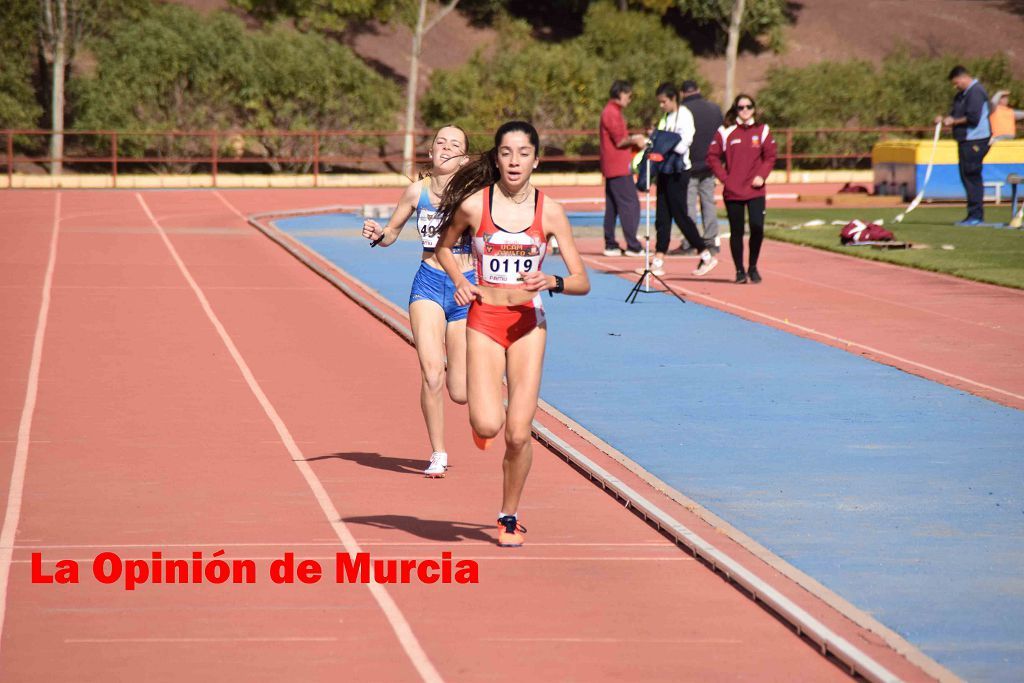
{"x": 647, "y": 232}
{"x": 927, "y": 175}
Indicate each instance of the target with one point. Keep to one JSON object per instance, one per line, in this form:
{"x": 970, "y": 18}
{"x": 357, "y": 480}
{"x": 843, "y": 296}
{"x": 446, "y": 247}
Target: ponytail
{"x": 475, "y": 175}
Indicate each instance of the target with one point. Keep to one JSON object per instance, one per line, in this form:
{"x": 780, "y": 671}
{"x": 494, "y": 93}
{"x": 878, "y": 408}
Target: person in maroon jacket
{"x": 748, "y": 150}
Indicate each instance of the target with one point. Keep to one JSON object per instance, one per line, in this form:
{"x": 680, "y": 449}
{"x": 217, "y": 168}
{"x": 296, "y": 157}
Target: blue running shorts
{"x": 431, "y": 284}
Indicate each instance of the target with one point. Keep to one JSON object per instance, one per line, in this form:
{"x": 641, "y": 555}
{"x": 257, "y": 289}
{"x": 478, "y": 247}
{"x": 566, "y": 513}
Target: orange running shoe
{"x": 480, "y": 442}
{"x": 510, "y": 532}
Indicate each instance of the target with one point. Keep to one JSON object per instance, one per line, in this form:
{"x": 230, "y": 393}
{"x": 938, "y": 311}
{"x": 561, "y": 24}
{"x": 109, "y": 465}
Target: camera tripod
{"x": 643, "y": 283}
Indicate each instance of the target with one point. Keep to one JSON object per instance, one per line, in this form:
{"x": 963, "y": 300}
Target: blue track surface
{"x": 904, "y": 496}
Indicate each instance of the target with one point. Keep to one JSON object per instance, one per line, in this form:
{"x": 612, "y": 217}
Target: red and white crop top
{"x": 503, "y": 256}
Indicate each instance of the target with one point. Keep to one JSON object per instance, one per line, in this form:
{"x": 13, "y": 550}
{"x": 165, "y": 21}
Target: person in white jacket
{"x": 673, "y": 178}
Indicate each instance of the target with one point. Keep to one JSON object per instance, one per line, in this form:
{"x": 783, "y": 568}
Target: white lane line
{"x": 638, "y": 641}
{"x": 225, "y": 202}
{"x": 733, "y": 569}
{"x": 897, "y": 304}
{"x": 268, "y": 639}
{"x": 780, "y": 322}
{"x": 145, "y": 287}
{"x": 394, "y": 615}
{"x": 795, "y": 616}
{"x": 17, "y": 485}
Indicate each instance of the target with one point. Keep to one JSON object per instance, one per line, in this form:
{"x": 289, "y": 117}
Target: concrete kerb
{"x": 804, "y": 624}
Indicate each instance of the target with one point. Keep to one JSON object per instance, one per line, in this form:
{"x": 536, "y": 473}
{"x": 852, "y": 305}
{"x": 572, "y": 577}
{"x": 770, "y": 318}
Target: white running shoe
{"x": 438, "y": 464}
{"x": 612, "y": 252}
{"x": 707, "y": 264}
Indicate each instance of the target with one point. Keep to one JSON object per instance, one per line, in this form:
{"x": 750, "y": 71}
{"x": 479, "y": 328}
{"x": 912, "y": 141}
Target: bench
{"x": 1014, "y": 180}
{"x": 997, "y": 187}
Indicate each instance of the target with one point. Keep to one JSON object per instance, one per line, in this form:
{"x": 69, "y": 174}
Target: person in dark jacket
{"x": 673, "y": 176}
{"x": 969, "y": 119}
{"x": 707, "y": 117}
{"x": 748, "y": 151}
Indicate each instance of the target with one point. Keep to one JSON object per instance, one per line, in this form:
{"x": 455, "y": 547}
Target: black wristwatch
{"x": 559, "y": 286}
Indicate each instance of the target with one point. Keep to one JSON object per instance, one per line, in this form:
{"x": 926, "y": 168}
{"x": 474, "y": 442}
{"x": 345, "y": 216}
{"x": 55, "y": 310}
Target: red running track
{"x": 200, "y": 390}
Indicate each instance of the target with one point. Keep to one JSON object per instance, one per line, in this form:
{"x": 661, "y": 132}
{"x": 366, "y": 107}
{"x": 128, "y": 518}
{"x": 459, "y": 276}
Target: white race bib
{"x": 427, "y": 223}
{"x": 505, "y": 258}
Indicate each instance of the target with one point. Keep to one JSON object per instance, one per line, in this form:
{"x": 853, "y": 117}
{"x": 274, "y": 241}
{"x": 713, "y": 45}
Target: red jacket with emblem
{"x": 748, "y": 151}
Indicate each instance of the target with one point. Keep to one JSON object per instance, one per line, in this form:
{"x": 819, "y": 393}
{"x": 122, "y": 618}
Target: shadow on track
{"x": 431, "y": 529}
{"x": 378, "y": 461}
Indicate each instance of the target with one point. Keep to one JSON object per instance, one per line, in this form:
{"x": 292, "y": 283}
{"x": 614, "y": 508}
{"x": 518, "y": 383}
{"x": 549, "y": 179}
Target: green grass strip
{"x": 984, "y": 254}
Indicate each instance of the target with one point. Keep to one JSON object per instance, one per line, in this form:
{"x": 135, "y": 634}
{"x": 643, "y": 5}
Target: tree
{"x": 319, "y": 15}
{"x": 732, "y": 50}
{"x": 906, "y": 91}
{"x": 18, "y": 105}
{"x": 63, "y": 24}
{"x": 176, "y": 69}
{"x": 760, "y": 18}
{"x": 420, "y": 29}
{"x": 562, "y": 85}
{"x": 334, "y": 15}
{"x": 60, "y": 29}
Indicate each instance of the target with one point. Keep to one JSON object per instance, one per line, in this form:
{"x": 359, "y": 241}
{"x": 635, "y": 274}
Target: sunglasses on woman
{"x": 741, "y": 107}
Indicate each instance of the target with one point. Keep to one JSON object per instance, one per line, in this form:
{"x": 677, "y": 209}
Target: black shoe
{"x": 755, "y": 276}
{"x": 741, "y": 277}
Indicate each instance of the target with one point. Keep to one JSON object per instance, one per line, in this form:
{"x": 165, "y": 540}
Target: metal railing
{"x": 115, "y": 153}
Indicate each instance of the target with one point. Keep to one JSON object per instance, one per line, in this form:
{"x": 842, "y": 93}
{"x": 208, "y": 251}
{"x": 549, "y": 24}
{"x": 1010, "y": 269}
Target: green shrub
{"x": 176, "y": 70}
{"x": 563, "y": 85}
{"x": 904, "y": 91}
{"x": 19, "y": 107}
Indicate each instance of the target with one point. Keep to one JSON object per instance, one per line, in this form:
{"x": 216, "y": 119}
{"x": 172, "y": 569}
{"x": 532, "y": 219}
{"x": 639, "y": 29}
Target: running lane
{"x": 29, "y": 219}
{"x": 966, "y": 334}
{"x": 887, "y": 488}
{"x": 151, "y": 435}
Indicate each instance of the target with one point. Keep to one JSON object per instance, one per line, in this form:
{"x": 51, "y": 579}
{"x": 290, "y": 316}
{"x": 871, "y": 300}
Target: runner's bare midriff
{"x": 464, "y": 261}
{"x": 499, "y": 296}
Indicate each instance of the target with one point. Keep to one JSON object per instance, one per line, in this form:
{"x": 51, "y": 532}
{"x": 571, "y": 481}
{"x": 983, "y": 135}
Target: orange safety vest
{"x": 1002, "y": 122}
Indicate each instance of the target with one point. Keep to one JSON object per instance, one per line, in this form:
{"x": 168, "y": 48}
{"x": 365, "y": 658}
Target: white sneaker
{"x": 612, "y": 252}
{"x": 630, "y": 252}
{"x": 707, "y": 264}
{"x": 438, "y": 465}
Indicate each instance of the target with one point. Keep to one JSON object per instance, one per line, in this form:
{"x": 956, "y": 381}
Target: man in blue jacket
{"x": 969, "y": 119}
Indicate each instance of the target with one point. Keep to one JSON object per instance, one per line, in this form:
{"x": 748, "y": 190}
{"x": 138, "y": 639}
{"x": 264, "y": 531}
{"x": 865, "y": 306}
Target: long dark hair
{"x": 429, "y": 166}
{"x": 479, "y": 172}
{"x": 733, "y": 115}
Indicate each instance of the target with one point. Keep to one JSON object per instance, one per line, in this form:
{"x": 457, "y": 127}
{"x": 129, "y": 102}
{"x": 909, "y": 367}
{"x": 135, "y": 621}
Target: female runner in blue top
{"x": 438, "y": 322}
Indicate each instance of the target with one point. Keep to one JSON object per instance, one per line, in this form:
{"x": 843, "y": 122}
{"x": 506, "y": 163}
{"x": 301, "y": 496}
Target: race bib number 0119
{"x": 507, "y": 270}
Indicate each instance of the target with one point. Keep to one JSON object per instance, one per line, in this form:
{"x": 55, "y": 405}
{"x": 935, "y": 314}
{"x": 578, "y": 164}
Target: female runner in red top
{"x": 510, "y": 222}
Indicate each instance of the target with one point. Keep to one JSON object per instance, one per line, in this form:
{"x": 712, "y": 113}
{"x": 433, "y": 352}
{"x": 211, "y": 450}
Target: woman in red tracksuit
{"x": 748, "y": 150}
